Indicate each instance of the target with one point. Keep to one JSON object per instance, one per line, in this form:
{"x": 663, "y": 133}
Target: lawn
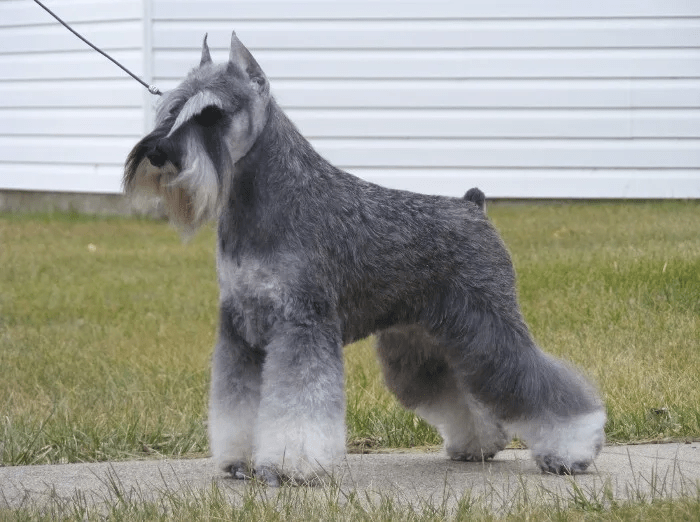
{"x": 107, "y": 325}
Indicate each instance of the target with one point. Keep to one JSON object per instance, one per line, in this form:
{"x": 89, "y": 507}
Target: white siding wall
{"x": 524, "y": 98}
{"x": 68, "y": 117}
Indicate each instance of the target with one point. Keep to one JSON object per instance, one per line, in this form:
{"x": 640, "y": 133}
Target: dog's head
{"x": 203, "y": 127}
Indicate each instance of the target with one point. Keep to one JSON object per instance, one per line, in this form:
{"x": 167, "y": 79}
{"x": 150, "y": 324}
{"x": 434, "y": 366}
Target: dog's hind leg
{"x": 300, "y": 432}
{"x": 234, "y": 398}
{"x": 537, "y": 397}
{"x": 417, "y": 372}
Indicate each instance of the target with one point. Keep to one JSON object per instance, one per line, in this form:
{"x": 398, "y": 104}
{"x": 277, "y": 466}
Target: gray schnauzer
{"x": 311, "y": 258}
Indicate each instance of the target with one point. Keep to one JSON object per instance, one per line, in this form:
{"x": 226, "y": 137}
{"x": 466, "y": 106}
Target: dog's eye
{"x": 209, "y": 116}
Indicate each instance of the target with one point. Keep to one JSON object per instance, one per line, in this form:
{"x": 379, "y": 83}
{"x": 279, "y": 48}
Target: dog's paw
{"x": 273, "y": 477}
{"x": 487, "y": 440}
{"x": 471, "y": 457}
{"x": 559, "y": 466}
{"x": 567, "y": 446}
{"x": 239, "y": 470}
{"x": 268, "y": 475}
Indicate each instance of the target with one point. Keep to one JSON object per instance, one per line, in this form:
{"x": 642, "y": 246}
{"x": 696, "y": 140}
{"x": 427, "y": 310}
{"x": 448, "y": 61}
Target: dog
{"x": 311, "y": 258}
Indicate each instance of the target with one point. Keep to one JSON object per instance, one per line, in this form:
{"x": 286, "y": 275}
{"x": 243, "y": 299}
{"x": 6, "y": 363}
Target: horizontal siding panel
{"x": 67, "y": 115}
{"x": 431, "y": 34}
{"x": 679, "y": 124}
{"x": 22, "y": 13}
{"x": 84, "y": 64}
{"x": 77, "y": 150}
{"x": 457, "y": 123}
{"x": 633, "y": 63}
{"x": 505, "y": 183}
{"x": 98, "y": 178}
{"x": 72, "y": 122}
{"x": 55, "y": 38}
{"x": 410, "y": 153}
{"x": 405, "y": 153}
{"x": 121, "y": 93}
{"x": 389, "y": 123}
{"x": 555, "y": 93}
{"x": 398, "y": 9}
{"x": 543, "y": 183}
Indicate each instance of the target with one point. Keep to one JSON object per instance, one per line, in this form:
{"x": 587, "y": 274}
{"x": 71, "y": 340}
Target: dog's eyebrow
{"x": 194, "y": 106}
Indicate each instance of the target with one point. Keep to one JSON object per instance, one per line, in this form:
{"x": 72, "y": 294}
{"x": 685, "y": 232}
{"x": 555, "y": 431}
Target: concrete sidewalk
{"x": 651, "y": 470}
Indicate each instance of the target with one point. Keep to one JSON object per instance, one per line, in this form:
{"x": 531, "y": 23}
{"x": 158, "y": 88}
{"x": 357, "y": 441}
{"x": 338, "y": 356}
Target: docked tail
{"x": 477, "y": 197}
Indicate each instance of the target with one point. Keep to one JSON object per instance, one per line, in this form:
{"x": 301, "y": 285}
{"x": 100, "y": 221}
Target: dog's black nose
{"x": 157, "y": 156}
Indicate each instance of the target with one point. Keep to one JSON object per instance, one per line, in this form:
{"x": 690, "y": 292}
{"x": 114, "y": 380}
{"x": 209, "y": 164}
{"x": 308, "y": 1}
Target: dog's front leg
{"x": 300, "y": 431}
{"x": 234, "y": 400}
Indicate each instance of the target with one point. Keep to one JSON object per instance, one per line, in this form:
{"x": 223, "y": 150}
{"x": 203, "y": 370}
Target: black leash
{"x": 151, "y": 88}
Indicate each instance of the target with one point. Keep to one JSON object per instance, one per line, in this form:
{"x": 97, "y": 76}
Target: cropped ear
{"x": 240, "y": 57}
{"x": 206, "y": 55}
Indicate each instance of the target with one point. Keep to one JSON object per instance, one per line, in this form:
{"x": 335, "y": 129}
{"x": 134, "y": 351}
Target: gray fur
{"x": 311, "y": 258}
{"x": 476, "y": 196}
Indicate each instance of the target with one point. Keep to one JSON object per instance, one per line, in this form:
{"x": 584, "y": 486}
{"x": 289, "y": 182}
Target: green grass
{"x": 616, "y": 289}
{"x": 97, "y": 360}
{"x": 107, "y": 325}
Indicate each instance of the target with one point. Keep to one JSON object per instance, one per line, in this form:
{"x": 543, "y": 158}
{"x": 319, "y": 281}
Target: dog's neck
{"x": 281, "y": 149}
{"x": 268, "y": 181}
{"x": 280, "y": 162}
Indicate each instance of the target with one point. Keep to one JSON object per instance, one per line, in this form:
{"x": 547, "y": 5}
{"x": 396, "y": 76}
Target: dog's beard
{"x": 191, "y": 196}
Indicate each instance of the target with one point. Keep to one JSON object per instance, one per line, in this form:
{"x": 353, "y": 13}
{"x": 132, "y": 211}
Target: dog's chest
{"x": 256, "y": 296}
